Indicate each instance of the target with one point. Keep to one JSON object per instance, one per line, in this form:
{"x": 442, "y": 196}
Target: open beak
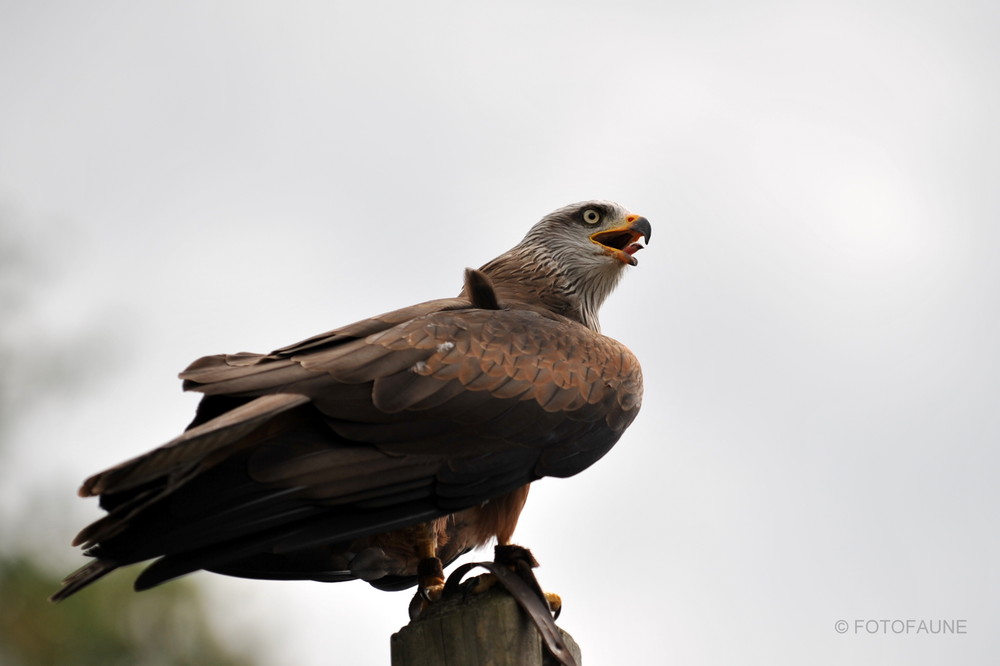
{"x": 623, "y": 242}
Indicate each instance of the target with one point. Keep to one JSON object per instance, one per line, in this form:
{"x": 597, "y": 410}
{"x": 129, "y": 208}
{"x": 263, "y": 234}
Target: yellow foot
{"x": 430, "y": 584}
{"x": 555, "y": 603}
{"x": 486, "y": 581}
{"x": 424, "y": 597}
{"x": 520, "y": 560}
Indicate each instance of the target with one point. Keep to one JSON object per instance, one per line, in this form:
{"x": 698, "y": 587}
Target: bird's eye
{"x": 591, "y": 216}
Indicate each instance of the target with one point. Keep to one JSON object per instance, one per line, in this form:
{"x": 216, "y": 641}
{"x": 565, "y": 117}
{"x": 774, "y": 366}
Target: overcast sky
{"x": 817, "y": 313}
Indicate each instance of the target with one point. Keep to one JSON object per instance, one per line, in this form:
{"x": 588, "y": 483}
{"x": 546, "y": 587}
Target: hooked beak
{"x": 622, "y": 242}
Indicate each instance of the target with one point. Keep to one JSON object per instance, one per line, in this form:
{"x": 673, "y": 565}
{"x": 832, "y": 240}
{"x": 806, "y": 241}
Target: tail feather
{"x": 194, "y": 445}
{"x": 83, "y": 577}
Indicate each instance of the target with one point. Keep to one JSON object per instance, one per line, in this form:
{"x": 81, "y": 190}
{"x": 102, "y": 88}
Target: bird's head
{"x": 592, "y": 232}
{"x": 572, "y": 258}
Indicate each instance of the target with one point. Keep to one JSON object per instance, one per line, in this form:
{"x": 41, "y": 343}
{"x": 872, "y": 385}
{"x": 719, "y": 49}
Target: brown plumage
{"x": 413, "y": 434}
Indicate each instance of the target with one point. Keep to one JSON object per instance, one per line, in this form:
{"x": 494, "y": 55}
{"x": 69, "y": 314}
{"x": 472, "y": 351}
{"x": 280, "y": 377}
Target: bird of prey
{"x": 382, "y": 449}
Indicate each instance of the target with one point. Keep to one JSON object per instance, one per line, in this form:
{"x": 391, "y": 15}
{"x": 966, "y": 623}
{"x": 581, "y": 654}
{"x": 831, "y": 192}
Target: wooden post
{"x": 487, "y": 629}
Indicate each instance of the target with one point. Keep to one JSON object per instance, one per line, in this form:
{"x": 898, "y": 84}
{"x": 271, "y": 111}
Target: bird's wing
{"x": 442, "y": 381}
{"x": 366, "y": 429}
{"x": 458, "y": 383}
{"x": 227, "y": 419}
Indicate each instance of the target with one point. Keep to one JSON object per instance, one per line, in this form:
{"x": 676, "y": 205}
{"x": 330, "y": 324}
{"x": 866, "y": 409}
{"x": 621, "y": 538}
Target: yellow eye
{"x": 591, "y": 216}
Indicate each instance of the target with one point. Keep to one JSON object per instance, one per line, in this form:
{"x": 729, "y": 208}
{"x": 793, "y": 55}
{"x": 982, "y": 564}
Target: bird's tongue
{"x": 633, "y": 248}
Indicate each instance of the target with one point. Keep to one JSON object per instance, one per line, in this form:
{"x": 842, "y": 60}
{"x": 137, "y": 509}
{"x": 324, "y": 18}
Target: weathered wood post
{"x": 487, "y": 629}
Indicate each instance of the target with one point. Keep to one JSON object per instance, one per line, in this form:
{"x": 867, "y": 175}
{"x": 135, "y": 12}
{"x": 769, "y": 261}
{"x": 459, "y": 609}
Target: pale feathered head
{"x": 571, "y": 259}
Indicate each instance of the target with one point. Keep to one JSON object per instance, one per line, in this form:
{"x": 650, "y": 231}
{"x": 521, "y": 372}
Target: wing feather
{"x": 400, "y": 418}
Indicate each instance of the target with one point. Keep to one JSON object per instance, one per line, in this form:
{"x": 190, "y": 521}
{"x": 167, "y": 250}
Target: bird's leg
{"x": 430, "y": 578}
{"x": 520, "y": 560}
{"x": 430, "y": 573}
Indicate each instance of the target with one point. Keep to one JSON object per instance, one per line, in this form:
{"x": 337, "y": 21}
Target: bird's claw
{"x": 519, "y": 560}
{"x": 431, "y": 593}
{"x": 425, "y": 596}
{"x": 483, "y": 582}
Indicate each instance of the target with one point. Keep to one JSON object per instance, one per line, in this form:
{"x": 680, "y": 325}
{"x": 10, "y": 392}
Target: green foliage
{"x": 108, "y": 625}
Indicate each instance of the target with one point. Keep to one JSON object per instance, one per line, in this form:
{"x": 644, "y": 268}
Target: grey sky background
{"x": 817, "y": 313}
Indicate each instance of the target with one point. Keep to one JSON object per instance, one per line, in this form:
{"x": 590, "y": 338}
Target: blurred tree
{"x": 110, "y": 625}
{"x": 113, "y": 625}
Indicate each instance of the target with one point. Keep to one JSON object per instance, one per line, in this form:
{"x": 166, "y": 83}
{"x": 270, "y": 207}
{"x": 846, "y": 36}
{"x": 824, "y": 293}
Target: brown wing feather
{"x": 406, "y": 417}
{"x": 193, "y": 446}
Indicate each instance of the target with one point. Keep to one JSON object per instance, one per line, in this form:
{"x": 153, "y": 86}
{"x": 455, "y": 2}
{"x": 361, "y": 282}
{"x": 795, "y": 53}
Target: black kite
{"x": 360, "y": 453}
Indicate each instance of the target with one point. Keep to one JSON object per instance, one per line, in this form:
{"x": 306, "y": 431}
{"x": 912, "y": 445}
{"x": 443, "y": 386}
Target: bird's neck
{"x": 530, "y": 275}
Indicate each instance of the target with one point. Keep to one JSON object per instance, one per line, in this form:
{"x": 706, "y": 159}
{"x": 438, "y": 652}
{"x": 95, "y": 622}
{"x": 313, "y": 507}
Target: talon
{"x": 431, "y": 593}
{"x": 425, "y": 596}
{"x": 430, "y": 584}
